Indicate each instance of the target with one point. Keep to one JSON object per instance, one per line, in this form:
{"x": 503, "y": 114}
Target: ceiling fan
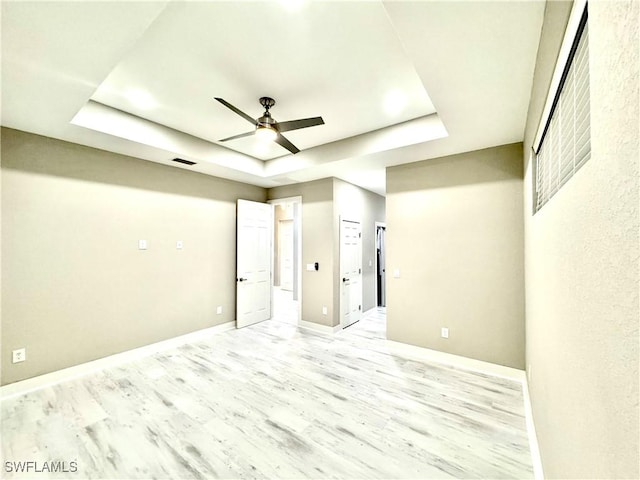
{"x": 267, "y": 127}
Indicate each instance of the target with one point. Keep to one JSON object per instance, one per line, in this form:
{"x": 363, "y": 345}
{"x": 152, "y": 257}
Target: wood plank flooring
{"x": 274, "y": 401}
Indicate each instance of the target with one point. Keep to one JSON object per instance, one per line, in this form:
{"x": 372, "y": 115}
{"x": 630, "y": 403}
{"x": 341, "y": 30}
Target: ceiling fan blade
{"x": 239, "y": 112}
{"x": 280, "y": 140}
{"x": 297, "y": 124}
{"x": 246, "y": 134}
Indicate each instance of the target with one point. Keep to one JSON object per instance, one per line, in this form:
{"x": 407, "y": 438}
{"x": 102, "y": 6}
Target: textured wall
{"x": 582, "y": 264}
{"x": 75, "y": 286}
{"x": 454, "y": 229}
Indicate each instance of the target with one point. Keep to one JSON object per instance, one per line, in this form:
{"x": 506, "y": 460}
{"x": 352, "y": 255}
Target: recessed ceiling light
{"x": 140, "y": 99}
{"x": 292, "y": 5}
{"x": 394, "y": 102}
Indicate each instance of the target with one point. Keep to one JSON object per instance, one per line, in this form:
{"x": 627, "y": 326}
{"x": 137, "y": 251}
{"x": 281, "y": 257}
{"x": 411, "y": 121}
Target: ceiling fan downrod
{"x": 267, "y": 103}
{"x": 266, "y": 120}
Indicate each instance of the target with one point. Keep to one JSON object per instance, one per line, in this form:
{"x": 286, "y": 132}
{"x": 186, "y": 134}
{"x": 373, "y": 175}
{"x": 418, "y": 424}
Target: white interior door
{"x": 350, "y": 272}
{"x": 253, "y": 271}
{"x": 285, "y": 254}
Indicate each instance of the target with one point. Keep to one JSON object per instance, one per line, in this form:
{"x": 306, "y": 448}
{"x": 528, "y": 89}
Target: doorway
{"x": 381, "y": 286}
{"x": 287, "y": 259}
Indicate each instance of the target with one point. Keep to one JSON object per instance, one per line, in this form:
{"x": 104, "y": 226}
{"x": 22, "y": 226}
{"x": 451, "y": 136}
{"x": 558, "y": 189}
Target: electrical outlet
{"x": 219, "y": 310}
{"x": 396, "y": 273}
{"x": 142, "y": 244}
{"x": 444, "y": 332}
{"x": 179, "y": 245}
{"x": 19, "y": 355}
{"x": 324, "y": 310}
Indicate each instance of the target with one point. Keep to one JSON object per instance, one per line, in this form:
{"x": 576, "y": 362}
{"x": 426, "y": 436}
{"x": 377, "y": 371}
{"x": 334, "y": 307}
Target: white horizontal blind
{"x": 566, "y": 142}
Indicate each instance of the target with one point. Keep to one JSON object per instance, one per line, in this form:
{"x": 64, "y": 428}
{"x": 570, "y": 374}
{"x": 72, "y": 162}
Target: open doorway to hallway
{"x": 380, "y": 270}
{"x": 287, "y": 241}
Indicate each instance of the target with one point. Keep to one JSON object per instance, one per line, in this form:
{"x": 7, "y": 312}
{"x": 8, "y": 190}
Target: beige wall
{"x": 455, "y": 232}
{"x": 582, "y": 264}
{"x": 355, "y": 203}
{"x": 75, "y": 286}
{"x": 317, "y": 238}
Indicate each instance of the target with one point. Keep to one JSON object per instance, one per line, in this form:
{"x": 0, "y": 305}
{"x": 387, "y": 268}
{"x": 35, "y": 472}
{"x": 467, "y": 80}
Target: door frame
{"x": 375, "y": 255}
{"x": 297, "y": 238}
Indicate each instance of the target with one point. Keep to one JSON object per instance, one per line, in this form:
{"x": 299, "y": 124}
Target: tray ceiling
{"x": 395, "y": 82}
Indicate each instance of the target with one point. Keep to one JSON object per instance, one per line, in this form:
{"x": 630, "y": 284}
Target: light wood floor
{"x": 275, "y": 401}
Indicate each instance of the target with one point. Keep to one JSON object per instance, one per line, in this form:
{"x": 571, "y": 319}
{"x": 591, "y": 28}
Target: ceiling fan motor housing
{"x": 266, "y": 121}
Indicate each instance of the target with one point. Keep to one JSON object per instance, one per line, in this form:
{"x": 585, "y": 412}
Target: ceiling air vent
{"x": 182, "y": 160}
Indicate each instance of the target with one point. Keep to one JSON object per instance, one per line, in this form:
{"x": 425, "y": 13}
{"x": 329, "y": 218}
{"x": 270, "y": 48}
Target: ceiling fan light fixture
{"x": 266, "y": 133}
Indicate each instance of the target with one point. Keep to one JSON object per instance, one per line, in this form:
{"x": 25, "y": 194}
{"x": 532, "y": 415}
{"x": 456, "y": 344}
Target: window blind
{"x": 566, "y": 140}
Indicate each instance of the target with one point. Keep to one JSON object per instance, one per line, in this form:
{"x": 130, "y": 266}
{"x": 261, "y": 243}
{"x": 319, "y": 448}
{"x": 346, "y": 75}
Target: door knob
{"x": 345, "y": 279}
{"x": 241, "y": 279}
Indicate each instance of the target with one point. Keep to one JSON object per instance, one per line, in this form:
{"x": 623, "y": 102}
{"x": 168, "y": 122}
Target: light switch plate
{"x": 444, "y": 332}
{"x": 19, "y": 355}
{"x": 396, "y": 273}
{"x": 179, "y": 245}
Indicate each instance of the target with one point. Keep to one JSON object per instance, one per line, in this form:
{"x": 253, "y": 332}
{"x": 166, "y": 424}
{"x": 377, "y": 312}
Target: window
{"x": 565, "y": 141}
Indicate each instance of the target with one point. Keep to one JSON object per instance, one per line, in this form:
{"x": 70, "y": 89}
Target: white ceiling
{"x": 395, "y": 82}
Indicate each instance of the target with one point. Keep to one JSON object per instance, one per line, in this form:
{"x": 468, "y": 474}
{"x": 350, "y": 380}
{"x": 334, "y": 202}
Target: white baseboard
{"x": 48, "y": 379}
{"x": 325, "y": 328}
{"x": 405, "y": 350}
{"x": 538, "y": 472}
{"x": 429, "y": 355}
{"x": 319, "y": 328}
{"x": 425, "y": 354}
